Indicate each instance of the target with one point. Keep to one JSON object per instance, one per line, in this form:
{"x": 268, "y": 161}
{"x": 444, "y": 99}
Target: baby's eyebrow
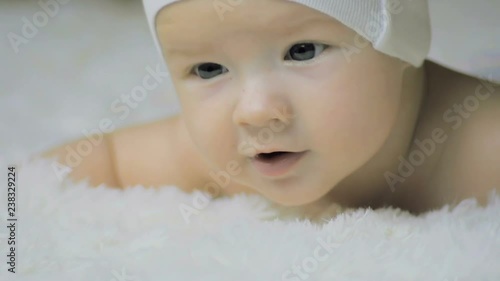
{"x": 189, "y": 52}
{"x": 205, "y": 47}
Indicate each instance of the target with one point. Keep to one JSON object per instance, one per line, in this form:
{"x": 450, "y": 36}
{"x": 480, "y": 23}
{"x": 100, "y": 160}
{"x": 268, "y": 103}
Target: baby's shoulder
{"x": 478, "y": 142}
{"x": 467, "y": 108}
{"x": 155, "y": 154}
{"x": 471, "y": 121}
{"x": 473, "y": 117}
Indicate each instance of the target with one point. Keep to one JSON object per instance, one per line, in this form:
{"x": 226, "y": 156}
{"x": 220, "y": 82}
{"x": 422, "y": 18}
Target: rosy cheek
{"x": 214, "y": 140}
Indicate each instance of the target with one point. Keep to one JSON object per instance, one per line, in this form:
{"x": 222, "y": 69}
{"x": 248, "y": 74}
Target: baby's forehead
{"x": 253, "y": 12}
{"x": 201, "y": 37}
{"x": 383, "y": 24}
{"x": 190, "y": 23}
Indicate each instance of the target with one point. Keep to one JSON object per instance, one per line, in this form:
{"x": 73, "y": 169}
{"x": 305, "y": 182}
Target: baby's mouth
{"x": 272, "y": 156}
{"x": 276, "y": 163}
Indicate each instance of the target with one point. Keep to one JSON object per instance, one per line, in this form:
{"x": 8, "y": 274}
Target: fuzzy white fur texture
{"x": 70, "y": 231}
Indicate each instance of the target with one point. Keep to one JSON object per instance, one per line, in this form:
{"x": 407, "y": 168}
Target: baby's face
{"x": 272, "y": 75}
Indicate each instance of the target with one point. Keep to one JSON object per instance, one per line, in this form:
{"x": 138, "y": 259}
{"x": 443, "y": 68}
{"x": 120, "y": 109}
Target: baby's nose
{"x": 259, "y": 108}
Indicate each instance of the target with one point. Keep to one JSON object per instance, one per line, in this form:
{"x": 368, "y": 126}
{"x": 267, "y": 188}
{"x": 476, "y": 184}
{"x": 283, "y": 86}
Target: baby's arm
{"x": 98, "y": 165}
{"x": 158, "y": 153}
{"x": 153, "y": 154}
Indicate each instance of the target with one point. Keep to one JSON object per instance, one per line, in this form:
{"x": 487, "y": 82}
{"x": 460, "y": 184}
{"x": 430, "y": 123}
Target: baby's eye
{"x": 209, "y": 70}
{"x": 305, "y": 51}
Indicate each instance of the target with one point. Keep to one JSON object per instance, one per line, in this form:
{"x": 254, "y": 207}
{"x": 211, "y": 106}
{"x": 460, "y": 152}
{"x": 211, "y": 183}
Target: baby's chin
{"x": 293, "y": 191}
{"x": 295, "y": 198}
{"x": 294, "y": 202}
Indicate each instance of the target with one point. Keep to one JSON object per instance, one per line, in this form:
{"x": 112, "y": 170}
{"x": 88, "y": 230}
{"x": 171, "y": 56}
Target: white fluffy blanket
{"x": 70, "y": 231}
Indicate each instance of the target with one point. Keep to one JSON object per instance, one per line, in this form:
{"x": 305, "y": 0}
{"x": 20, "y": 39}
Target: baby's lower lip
{"x": 278, "y": 165}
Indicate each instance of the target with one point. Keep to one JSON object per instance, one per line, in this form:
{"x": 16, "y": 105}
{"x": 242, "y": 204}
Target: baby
{"x": 308, "y": 101}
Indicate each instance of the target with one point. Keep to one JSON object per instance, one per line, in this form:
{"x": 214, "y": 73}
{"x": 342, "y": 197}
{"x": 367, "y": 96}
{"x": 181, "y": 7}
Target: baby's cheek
{"x": 351, "y": 122}
{"x": 214, "y": 141}
{"x": 334, "y": 126}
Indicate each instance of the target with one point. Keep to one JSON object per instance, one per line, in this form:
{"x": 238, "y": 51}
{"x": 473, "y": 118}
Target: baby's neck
{"x": 420, "y": 191}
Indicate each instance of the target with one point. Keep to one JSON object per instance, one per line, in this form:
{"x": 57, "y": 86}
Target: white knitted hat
{"x": 399, "y": 28}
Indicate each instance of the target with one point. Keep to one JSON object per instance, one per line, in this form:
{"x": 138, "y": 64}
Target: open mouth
{"x": 273, "y": 156}
{"x": 276, "y": 163}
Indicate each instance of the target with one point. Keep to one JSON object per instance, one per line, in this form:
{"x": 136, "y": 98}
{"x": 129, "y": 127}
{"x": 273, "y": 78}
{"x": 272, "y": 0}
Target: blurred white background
{"x": 466, "y": 36}
{"x": 67, "y": 76}
{"x": 91, "y": 52}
